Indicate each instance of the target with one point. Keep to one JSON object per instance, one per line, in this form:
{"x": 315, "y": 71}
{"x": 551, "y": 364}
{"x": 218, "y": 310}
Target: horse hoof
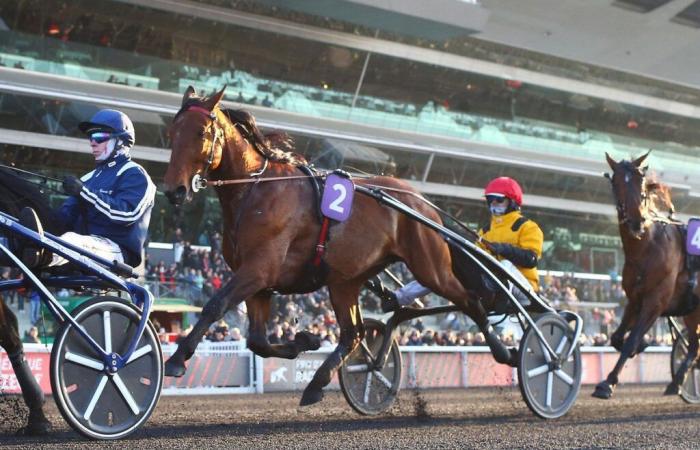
{"x": 38, "y": 428}
{"x": 311, "y": 396}
{"x": 174, "y": 368}
{"x": 603, "y": 390}
{"x": 672, "y": 389}
{"x": 307, "y": 341}
{"x": 513, "y": 357}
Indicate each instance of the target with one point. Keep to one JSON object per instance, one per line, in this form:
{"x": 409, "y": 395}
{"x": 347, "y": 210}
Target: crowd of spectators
{"x": 570, "y": 290}
{"x": 197, "y": 273}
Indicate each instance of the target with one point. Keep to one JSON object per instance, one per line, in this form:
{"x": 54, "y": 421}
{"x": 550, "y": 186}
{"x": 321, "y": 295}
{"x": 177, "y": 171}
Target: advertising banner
{"x": 231, "y": 369}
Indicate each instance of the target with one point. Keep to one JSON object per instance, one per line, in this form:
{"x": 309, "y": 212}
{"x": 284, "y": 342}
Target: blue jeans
{"x": 34, "y": 309}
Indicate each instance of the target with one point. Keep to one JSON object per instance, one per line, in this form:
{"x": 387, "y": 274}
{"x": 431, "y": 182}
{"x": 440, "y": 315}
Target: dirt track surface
{"x": 637, "y": 417}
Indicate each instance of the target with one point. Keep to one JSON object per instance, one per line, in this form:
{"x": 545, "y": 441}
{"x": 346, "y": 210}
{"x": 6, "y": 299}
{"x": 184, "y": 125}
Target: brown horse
{"x": 16, "y": 193}
{"x": 271, "y": 231}
{"x": 654, "y": 276}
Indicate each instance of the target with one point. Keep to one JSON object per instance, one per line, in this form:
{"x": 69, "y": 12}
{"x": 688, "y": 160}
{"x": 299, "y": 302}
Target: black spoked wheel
{"x": 369, "y": 389}
{"x": 96, "y": 404}
{"x": 690, "y": 391}
{"x": 550, "y": 387}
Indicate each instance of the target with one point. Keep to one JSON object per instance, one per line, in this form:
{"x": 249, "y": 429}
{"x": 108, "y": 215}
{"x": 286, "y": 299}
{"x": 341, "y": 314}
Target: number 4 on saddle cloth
{"x": 692, "y": 263}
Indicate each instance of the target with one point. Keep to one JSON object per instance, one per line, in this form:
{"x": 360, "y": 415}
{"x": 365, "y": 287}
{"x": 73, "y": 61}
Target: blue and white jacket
{"x": 115, "y": 203}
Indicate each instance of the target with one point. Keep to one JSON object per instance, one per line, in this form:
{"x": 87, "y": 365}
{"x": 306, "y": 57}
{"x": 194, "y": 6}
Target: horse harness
{"x": 620, "y": 205}
{"x": 317, "y": 270}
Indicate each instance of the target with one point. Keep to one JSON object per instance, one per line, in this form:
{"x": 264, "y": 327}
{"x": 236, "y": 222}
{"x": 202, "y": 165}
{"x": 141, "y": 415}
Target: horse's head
{"x": 630, "y": 191}
{"x": 197, "y": 141}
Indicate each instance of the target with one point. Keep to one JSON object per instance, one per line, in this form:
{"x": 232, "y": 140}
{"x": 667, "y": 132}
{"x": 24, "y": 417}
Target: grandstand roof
{"x": 437, "y": 19}
{"x": 660, "y": 43}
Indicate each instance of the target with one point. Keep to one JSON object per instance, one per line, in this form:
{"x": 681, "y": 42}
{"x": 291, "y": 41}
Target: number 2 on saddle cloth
{"x": 336, "y": 205}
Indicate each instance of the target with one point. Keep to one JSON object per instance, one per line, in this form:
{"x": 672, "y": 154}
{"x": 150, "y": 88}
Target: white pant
{"x": 97, "y": 245}
{"x": 411, "y": 291}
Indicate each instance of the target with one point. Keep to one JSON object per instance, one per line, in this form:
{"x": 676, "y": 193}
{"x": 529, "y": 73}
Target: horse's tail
{"x": 16, "y": 192}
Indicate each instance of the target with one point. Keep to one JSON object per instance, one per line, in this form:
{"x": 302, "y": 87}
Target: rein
{"x": 218, "y": 183}
{"x": 27, "y": 172}
{"x": 199, "y": 182}
{"x": 36, "y": 175}
{"x": 256, "y": 180}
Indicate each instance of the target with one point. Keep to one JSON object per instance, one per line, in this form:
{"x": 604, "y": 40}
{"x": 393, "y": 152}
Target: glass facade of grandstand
{"x": 124, "y": 44}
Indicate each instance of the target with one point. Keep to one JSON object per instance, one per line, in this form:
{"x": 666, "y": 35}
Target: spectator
{"x": 34, "y": 307}
{"x": 276, "y": 336}
{"x": 235, "y": 334}
{"x": 31, "y": 336}
{"x": 414, "y": 338}
{"x": 219, "y": 334}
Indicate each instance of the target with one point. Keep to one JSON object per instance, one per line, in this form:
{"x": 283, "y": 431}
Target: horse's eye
{"x": 201, "y": 134}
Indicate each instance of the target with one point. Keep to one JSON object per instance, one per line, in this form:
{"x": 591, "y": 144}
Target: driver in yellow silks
{"x": 513, "y": 239}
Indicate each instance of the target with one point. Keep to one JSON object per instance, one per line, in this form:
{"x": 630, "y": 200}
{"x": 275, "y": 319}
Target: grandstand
{"x": 445, "y": 97}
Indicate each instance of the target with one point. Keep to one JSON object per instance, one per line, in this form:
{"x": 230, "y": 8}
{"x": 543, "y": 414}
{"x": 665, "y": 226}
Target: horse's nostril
{"x": 177, "y": 196}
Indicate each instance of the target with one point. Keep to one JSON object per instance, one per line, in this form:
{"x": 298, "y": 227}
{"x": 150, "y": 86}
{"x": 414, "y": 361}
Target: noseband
{"x": 200, "y": 181}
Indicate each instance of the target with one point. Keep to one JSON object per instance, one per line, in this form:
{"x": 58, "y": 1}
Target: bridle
{"x": 199, "y": 181}
{"x": 621, "y": 205}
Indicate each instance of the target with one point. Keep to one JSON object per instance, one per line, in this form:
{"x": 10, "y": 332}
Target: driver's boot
{"x": 389, "y": 301}
{"x": 32, "y": 255}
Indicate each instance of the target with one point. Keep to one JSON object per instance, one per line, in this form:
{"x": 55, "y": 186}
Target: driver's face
{"x": 98, "y": 149}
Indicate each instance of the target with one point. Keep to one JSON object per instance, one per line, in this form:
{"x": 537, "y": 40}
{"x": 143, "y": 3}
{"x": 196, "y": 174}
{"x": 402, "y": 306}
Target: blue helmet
{"x": 116, "y": 122}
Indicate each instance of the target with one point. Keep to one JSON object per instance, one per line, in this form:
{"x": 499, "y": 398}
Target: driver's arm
{"x": 133, "y": 194}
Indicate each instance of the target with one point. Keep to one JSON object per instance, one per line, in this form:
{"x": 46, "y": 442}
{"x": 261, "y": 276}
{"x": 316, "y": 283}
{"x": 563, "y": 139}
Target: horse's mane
{"x": 17, "y": 192}
{"x": 277, "y": 146}
{"x": 659, "y": 195}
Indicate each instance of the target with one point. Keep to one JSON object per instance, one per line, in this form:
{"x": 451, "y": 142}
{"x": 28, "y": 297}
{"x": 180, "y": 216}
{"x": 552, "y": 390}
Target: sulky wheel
{"x": 371, "y": 390}
{"x": 549, "y": 386}
{"x": 690, "y": 391}
{"x": 97, "y": 404}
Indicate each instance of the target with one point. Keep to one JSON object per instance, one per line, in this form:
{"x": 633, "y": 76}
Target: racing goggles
{"x": 496, "y": 199}
{"x": 100, "y": 136}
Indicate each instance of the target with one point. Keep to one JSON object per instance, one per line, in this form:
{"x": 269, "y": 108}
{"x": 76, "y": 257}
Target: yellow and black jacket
{"x": 518, "y": 240}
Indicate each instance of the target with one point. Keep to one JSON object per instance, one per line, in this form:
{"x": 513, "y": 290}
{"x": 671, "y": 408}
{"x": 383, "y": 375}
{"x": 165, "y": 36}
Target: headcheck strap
{"x": 199, "y": 109}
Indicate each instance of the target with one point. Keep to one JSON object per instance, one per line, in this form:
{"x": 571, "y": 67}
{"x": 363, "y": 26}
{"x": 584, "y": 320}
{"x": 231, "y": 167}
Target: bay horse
{"x": 16, "y": 193}
{"x": 271, "y": 230}
{"x": 654, "y": 276}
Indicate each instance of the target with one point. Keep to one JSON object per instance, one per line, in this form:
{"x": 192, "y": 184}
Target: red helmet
{"x": 505, "y": 186}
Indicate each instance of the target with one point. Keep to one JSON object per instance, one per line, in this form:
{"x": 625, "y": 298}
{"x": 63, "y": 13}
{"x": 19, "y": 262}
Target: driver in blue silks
{"x": 108, "y": 209}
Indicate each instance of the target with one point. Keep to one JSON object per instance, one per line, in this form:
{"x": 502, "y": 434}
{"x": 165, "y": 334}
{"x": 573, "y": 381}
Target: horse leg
{"x": 674, "y": 387}
{"x": 230, "y": 295}
{"x": 259, "y": 313}
{"x": 629, "y": 316}
{"x": 647, "y": 317}
{"x": 447, "y": 285}
{"x": 37, "y": 423}
{"x": 347, "y": 313}
{"x": 501, "y": 353}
